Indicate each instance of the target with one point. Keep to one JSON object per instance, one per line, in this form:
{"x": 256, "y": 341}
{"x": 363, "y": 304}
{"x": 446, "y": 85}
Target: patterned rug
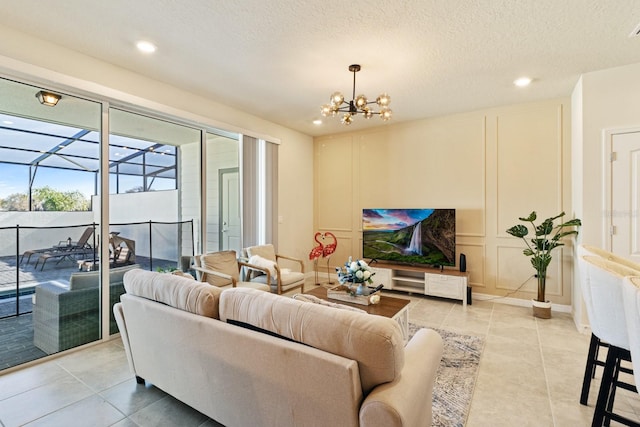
{"x": 456, "y": 378}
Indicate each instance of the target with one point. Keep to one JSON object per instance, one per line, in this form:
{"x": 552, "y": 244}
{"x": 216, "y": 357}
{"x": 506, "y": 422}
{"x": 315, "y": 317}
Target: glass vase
{"x": 362, "y": 289}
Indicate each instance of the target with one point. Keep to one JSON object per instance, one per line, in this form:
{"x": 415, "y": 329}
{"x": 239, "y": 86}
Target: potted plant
{"x": 547, "y": 236}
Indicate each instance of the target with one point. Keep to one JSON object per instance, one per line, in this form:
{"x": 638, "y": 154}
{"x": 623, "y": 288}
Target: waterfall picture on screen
{"x": 410, "y": 236}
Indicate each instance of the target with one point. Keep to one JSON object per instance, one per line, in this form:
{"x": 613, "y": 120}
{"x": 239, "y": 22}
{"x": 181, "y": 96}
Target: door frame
{"x": 221, "y": 173}
{"x": 607, "y": 190}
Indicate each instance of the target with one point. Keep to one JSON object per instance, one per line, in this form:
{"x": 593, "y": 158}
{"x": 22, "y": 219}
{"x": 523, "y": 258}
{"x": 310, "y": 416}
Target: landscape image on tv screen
{"x": 410, "y": 236}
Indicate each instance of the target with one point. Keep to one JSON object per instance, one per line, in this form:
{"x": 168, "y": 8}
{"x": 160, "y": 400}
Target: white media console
{"x": 423, "y": 280}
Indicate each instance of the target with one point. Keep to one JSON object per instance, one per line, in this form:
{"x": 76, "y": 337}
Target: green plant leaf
{"x": 532, "y": 217}
{"x": 564, "y": 233}
{"x": 545, "y": 228}
{"x": 518, "y": 231}
{"x": 541, "y": 262}
{"x": 571, "y": 223}
{"x": 554, "y": 245}
{"x": 541, "y": 244}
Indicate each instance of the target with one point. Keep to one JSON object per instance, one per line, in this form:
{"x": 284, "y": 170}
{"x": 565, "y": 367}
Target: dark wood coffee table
{"x": 395, "y": 308}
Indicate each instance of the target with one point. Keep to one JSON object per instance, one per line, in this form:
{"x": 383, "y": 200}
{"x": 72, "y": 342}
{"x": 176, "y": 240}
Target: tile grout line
{"x": 546, "y": 376}
{"x": 94, "y": 393}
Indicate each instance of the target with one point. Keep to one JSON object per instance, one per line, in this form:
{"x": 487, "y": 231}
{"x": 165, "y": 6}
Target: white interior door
{"x": 230, "y": 222}
{"x": 625, "y": 195}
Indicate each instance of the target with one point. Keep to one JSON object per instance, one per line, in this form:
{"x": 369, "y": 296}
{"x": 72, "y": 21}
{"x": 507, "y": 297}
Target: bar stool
{"x": 602, "y": 286}
{"x": 631, "y": 295}
{"x": 596, "y": 343}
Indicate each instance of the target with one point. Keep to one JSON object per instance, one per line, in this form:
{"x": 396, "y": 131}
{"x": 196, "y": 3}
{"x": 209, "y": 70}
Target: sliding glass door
{"x": 175, "y": 190}
{"x": 223, "y": 189}
{"x": 48, "y": 179}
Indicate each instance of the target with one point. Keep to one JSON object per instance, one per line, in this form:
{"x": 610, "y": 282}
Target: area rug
{"x": 456, "y": 377}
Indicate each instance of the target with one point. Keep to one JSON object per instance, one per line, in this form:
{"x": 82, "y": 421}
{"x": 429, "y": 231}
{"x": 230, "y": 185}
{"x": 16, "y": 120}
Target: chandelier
{"x": 358, "y": 104}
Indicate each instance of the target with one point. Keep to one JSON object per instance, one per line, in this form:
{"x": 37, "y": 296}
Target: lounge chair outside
{"x": 63, "y": 245}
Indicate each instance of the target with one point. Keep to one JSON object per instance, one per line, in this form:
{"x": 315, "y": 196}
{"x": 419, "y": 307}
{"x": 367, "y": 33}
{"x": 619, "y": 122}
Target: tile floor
{"x": 530, "y": 375}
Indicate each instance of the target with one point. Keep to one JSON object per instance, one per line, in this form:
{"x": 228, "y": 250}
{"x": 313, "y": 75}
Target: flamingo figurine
{"x": 316, "y": 253}
{"x": 328, "y": 250}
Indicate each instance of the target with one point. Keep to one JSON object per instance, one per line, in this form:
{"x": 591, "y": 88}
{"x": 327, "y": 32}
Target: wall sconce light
{"x": 48, "y": 98}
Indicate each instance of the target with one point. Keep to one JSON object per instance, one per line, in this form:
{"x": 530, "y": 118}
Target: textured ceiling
{"x": 281, "y": 59}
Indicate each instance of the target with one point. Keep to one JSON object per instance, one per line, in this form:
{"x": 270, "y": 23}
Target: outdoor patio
{"x": 16, "y": 331}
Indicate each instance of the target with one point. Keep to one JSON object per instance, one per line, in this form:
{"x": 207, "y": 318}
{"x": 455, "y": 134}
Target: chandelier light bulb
{"x": 347, "y": 119}
{"x": 361, "y": 101}
{"x": 326, "y": 110}
{"x": 383, "y": 100}
{"x": 385, "y": 114}
{"x": 359, "y": 104}
{"x": 337, "y": 98}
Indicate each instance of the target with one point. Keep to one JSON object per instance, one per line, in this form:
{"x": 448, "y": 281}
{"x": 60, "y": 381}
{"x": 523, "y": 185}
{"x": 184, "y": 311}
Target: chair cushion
{"x": 264, "y": 251}
{"x": 224, "y": 262}
{"x": 611, "y": 256}
{"x": 612, "y": 266}
{"x": 175, "y": 291}
{"x": 261, "y": 262}
{"x": 290, "y": 279}
{"x": 91, "y": 279}
{"x": 375, "y": 342}
{"x": 604, "y": 285}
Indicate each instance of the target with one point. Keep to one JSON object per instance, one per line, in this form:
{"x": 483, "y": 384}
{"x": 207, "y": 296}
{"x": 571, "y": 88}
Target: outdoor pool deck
{"x": 30, "y": 276}
{"x": 16, "y": 331}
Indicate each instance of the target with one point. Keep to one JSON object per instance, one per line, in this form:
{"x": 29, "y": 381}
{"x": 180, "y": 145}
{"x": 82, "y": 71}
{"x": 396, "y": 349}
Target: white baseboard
{"x": 562, "y": 308}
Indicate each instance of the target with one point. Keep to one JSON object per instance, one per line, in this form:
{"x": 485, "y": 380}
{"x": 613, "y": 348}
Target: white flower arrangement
{"x": 355, "y": 272}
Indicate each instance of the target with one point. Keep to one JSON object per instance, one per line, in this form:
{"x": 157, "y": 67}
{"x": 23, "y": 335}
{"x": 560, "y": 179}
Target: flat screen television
{"x": 410, "y": 236}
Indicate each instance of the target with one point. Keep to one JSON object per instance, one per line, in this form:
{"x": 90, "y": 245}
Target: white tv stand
{"x": 423, "y": 280}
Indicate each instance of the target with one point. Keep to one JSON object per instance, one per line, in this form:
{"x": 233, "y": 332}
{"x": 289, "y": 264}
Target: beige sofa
{"x": 249, "y": 358}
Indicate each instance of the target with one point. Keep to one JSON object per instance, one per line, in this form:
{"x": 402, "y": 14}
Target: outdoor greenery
{"x": 46, "y": 199}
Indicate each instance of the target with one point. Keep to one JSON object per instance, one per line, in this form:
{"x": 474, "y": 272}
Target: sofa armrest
{"x": 118, "y": 314}
{"x": 53, "y": 286}
{"x": 398, "y": 403}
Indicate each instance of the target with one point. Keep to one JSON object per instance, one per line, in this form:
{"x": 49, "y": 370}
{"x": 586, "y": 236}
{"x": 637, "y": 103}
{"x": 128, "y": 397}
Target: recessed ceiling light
{"x": 146, "y": 47}
{"x": 522, "y": 81}
{"x": 7, "y": 122}
{"x": 317, "y": 122}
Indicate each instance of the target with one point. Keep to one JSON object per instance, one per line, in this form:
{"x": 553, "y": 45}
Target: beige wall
{"x": 492, "y": 166}
{"x": 607, "y": 100}
{"x": 31, "y": 59}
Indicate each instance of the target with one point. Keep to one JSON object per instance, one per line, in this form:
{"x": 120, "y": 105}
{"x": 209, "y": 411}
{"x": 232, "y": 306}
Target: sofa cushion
{"x": 175, "y": 291}
{"x": 374, "y": 342}
{"x": 316, "y": 300}
{"x": 90, "y": 279}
